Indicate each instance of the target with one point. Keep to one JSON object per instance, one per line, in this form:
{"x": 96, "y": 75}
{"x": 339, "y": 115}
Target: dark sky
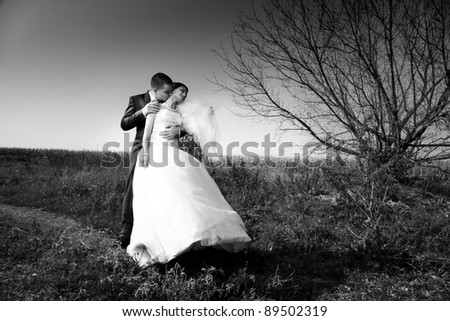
{"x": 68, "y": 67}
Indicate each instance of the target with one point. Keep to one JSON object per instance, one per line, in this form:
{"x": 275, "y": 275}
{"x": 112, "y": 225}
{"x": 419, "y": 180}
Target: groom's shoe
{"x": 124, "y": 238}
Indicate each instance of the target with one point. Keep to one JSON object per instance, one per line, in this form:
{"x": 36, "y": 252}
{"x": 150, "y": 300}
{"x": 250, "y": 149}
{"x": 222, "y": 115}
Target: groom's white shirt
{"x": 152, "y": 96}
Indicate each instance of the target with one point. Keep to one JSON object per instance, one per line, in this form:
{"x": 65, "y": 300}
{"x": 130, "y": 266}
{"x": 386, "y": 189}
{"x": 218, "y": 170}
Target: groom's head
{"x": 161, "y": 86}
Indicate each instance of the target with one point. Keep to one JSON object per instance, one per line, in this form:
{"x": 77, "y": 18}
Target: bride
{"x": 177, "y": 206}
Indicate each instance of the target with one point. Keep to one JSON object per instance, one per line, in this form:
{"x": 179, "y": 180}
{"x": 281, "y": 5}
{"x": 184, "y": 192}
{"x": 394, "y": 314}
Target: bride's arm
{"x": 149, "y": 121}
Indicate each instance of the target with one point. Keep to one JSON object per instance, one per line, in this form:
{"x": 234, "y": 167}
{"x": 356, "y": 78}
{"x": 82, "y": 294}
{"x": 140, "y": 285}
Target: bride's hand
{"x": 146, "y": 161}
{"x": 143, "y": 160}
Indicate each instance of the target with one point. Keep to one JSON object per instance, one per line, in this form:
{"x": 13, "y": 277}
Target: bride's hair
{"x": 178, "y": 85}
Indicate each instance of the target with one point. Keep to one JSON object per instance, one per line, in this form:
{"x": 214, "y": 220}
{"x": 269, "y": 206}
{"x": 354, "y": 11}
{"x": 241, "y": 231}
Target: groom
{"x": 138, "y": 108}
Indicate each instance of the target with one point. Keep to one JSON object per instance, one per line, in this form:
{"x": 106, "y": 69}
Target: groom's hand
{"x": 170, "y": 132}
{"x": 151, "y": 108}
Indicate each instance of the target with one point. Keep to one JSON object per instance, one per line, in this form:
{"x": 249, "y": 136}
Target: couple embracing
{"x": 171, "y": 204}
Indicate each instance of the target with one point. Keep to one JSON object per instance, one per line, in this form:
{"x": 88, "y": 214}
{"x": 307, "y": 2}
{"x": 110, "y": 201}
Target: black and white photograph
{"x": 290, "y": 151}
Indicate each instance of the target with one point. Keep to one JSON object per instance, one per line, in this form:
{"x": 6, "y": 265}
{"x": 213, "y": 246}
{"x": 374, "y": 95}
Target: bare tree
{"x": 370, "y": 78}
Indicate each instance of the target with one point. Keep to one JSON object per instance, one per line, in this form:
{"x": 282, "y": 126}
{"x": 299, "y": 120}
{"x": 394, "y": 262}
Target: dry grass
{"x": 313, "y": 239}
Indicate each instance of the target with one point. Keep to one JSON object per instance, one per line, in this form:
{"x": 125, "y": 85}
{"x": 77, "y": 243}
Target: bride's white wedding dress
{"x": 177, "y": 206}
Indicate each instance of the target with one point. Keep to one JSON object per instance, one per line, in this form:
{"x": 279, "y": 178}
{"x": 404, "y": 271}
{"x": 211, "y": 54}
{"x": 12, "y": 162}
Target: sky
{"x": 68, "y": 68}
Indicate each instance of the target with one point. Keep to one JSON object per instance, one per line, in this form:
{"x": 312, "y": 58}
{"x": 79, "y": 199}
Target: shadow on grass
{"x": 282, "y": 275}
{"x": 296, "y": 275}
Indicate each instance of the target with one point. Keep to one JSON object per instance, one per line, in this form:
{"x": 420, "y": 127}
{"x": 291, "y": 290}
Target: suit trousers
{"x": 127, "y": 204}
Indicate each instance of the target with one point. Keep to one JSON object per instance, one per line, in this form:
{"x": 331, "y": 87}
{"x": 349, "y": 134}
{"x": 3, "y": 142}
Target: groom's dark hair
{"x": 160, "y": 79}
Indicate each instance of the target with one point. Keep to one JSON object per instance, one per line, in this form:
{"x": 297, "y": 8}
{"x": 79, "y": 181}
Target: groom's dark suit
{"x": 133, "y": 118}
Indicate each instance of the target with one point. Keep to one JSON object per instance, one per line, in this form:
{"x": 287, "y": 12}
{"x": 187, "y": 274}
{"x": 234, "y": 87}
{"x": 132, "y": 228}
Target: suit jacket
{"x": 133, "y": 118}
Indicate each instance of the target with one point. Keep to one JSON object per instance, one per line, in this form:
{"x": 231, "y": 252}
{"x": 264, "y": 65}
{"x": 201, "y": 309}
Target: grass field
{"x": 318, "y": 234}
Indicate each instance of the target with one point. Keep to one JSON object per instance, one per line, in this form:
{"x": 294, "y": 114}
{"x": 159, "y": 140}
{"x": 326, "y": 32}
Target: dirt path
{"x": 45, "y": 256}
{"x": 28, "y": 215}
{"x": 33, "y": 222}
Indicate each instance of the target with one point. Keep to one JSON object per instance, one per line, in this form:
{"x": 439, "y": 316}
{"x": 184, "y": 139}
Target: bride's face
{"x": 180, "y": 93}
